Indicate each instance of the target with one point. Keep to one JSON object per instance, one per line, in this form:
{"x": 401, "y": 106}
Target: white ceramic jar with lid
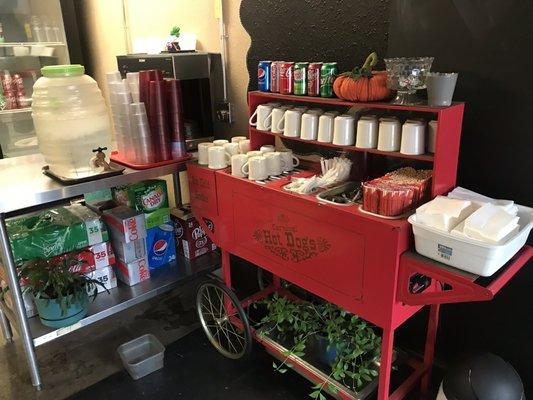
{"x": 70, "y": 119}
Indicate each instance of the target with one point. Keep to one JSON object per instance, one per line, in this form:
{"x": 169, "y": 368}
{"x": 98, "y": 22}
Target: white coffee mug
{"x": 255, "y": 168}
{"x": 344, "y": 130}
{"x": 389, "y": 134}
{"x": 309, "y": 128}
{"x": 237, "y": 162}
{"x": 325, "y": 128}
{"x": 432, "y": 136}
{"x": 244, "y": 145}
{"x": 203, "y": 157}
{"x": 237, "y": 139}
{"x": 263, "y": 115}
{"x": 275, "y": 118}
{"x": 267, "y": 148}
{"x": 290, "y": 161}
{"x": 413, "y": 138}
{"x": 254, "y": 153}
{"x": 275, "y": 163}
{"x": 367, "y": 133}
{"x": 220, "y": 142}
{"x": 218, "y": 158}
{"x": 232, "y": 148}
{"x": 290, "y": 123}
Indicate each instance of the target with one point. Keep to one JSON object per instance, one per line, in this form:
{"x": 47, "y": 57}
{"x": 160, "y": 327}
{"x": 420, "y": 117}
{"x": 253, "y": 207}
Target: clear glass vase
{"x": 406, "y": 75}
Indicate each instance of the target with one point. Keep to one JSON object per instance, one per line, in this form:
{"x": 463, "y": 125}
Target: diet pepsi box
{"x": 161, "y": 245}
{"x": 263, "y": 76}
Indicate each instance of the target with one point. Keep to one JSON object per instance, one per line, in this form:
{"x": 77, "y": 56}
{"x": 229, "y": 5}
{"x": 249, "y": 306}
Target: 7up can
{"x": 328, "y": 72}
{"x": 300, "y": 78}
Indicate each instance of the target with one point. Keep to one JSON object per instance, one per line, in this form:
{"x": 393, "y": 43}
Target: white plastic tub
{"x": 468, "y": 254}
{"x": 142, "y": 356}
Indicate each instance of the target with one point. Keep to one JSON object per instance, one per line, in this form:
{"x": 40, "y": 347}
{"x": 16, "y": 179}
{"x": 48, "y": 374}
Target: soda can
{"x": 300, "y": 78}
{"x": 328, "y": 72}
{"x": 274, "y": 76}
{"x": 313, "y": 79}
{"x": 286, "y": 78}
{"x": 17, "y": 83}
{"x": 263, "y": 76}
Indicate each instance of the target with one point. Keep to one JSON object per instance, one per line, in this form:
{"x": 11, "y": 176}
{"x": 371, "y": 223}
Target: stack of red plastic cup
{"x": 158, "y": 119}
{"x": 175, "y": 113}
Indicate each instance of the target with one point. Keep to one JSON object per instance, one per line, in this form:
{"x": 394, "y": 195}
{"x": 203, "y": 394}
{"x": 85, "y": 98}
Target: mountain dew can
{"x": 300, "y": 78}
{"x": 328, "y": 72}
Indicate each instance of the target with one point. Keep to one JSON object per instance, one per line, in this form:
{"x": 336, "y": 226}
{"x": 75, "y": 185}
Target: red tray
{"x": 115, "y": 157}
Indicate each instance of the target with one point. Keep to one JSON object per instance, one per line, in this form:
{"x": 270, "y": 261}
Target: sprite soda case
{"x": 149, "y": 197}
{"x": 48, "y": 233}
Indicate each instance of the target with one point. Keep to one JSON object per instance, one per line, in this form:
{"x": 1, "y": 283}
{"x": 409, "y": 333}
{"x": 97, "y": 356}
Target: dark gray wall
{"x": 489, "y": 44}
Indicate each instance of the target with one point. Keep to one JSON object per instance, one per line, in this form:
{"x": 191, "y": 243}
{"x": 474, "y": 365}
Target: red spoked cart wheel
{"x": 223, "y": 320}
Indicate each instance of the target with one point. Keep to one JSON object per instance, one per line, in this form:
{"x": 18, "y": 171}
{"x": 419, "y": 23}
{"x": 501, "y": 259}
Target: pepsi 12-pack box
{"x": 160, "y": 245}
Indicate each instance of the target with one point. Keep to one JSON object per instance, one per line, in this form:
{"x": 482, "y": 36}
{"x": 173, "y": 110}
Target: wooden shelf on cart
{"x": 423, "y": 157}
{"x": 344, "y": 103}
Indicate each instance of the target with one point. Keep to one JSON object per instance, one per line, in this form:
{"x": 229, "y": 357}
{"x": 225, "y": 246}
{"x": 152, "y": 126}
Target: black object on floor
{"x": 194, "y": 370}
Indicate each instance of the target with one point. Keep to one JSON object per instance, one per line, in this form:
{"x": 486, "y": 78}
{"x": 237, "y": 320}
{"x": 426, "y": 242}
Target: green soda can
{"x": 328, "y": 72}
{"x": 300, "y": 78}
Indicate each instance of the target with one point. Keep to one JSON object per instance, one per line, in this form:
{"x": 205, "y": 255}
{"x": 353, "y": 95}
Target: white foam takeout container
{"x": 470, "y": 255}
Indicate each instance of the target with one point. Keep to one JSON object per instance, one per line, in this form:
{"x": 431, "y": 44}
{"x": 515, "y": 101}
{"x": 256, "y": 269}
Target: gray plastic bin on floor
{"x": 142, "y": 356}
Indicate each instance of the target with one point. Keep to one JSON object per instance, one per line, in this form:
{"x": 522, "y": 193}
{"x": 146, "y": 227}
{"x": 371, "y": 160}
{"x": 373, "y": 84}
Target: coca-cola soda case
{"x": 191, "y": 240}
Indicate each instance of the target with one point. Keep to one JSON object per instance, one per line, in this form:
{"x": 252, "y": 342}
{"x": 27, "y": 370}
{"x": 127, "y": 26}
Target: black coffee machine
{"x": 202, "y": 89}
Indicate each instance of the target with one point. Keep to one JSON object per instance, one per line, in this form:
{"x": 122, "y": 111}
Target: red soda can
{"x": 11, "y": 100}
{"x": 17, "y": 83}
{"x": 286, "y": 77}
{"x": 313, "y": 79}
{"x": 274, "y": 76}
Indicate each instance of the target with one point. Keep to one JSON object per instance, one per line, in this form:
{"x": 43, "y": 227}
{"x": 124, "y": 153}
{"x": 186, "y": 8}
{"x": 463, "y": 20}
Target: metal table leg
{"x": 6, "y": 327}
{"x": 19, "y": 310}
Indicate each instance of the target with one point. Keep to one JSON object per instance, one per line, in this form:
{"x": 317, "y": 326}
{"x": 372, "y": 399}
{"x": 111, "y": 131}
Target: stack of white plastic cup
{"x": 141, "y": 138}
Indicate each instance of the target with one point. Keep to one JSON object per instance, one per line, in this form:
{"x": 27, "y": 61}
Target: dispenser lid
{"x": 63, "y": 70}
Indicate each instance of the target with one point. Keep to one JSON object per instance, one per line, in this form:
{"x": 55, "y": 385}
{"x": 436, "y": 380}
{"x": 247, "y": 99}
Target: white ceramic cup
{"x": 325, "y": 128}
{"x": 254, "y": 153}
{"x": 203, "y": 157}
{"x": 255, "y": 168}
{"x": 267, "y": 148}
{"x": 290, "y": 123}
{"x": 244, "y": 145}
{"x": 290, "y": 161}
{"x": 367, "y": 133}
{"x": 262, "y": 115}
{"x": 218, "y": 158}
{"x": 275, "y": 118}
{"x": 237, "y": 162}
{"x": 237, "y": 139}
{"x": 232, "y": 148}
{"x": 309, "y": 126}
{"x": 389, "y": 134}
{"x": 344, "y": 130}
{"x": 220, "y": 142}
{"x": 413, "y": 138}
{"x": 432, "y": 136}
{"x": 275, "y": 163}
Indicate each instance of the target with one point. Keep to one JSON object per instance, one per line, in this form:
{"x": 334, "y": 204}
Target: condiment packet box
{"x": 191, "y": 240}
{"x": 55, "y": 231}
{"x": 161, "y": 245}
{"x": 150, "y": 197}
{"x": 125, "y": 224}
{"x": 128, "y": 252}
{"x": 133, "y": 272}
{"x": 106, "y": 276}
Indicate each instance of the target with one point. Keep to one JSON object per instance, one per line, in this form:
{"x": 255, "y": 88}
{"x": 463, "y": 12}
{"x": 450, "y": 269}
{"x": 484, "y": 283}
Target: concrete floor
{"x": 87, "y": 356}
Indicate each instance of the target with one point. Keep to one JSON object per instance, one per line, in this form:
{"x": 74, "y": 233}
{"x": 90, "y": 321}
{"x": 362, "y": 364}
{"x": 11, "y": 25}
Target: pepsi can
{"x": 263, "y": 76}
{"x": 161, "y": 245}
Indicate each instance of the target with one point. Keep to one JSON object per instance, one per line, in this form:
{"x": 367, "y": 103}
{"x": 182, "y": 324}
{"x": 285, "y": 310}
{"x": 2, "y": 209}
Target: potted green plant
{"x": 344, "y": 342}
{"x": 173, "y": 45}
{"x": 61, "y": 296}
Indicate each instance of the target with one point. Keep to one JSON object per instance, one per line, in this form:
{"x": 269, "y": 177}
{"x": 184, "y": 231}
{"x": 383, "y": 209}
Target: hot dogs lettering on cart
{"x": 284, "y": 241}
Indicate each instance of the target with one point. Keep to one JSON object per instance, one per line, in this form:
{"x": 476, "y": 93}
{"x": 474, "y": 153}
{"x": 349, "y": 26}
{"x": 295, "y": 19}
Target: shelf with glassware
{"x": 447, "y": 140}
{"x": 31, "y": 44}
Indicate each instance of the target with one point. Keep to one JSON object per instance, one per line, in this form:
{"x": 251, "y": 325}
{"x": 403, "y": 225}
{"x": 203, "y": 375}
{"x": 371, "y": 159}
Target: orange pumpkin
{"x": 362, "y": 84}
